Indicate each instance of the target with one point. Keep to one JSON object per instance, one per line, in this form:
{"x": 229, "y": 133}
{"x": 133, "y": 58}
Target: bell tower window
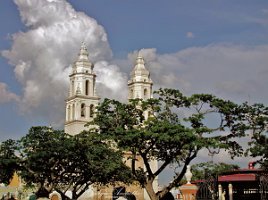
{"x": 131, "y": 93}
{"x": 83, "y": 110}
{"x": 145, "y": 94}
{"x": 87, "y": 87}
{"x": 91, "y": 108}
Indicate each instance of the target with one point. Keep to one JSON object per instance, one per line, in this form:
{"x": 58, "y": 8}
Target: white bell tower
{"x": 140, "y": 83}
{"x": 82, "y": 99}
{"x": 140, "y": 86}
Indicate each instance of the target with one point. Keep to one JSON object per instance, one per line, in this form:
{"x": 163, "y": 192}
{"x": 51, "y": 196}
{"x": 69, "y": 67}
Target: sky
{"x": 196, "y": 46}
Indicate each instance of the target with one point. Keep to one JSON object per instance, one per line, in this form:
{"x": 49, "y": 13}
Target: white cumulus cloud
{"x": 111, "y": 81}
{"x": 5, "y": 95}
{"x": 42, "y": 55}
{"x": 230, "y": 71}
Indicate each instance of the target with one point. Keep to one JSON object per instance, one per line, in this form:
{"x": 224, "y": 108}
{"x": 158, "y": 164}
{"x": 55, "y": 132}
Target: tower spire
{"x": 83, "y": 63}
{"x": 83, "y": 54}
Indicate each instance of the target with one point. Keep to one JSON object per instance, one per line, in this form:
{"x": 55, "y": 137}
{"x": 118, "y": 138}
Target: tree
{"x": 257, "y": 122}
{"x": 51, "y": 159}
{"x": 200, "y": 170}
{"x": 8, "y": 161}
{"x": 177, "y": 128}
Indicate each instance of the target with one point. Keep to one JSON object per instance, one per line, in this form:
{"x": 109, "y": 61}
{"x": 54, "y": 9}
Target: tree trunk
{"x": 149, "y": 189}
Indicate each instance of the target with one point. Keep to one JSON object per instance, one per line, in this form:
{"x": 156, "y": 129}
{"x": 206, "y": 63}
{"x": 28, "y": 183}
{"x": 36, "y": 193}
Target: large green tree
{"x": 177, "y": 128}
{"x": 257, "y": 122}
{"x": 53, "y": 160}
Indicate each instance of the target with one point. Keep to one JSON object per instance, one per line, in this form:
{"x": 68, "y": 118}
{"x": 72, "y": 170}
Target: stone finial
{"x": 83, "y": 54}
{"x": 188, "y": 174}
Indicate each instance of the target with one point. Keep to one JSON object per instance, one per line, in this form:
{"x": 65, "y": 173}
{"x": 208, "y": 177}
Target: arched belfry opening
{"x": 145, "y": 93}
{"x": 87, "y": 87}
{"x": 91, "y": 110}
{"x": 83, "y": 110}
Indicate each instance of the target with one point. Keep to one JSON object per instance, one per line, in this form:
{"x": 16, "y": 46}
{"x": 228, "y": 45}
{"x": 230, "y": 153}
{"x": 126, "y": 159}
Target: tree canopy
{"x": 169, "y": 129}
{"x": 8, "y": 160}
{"x": 201, "y": 170}
{"x": 257, "y": 118}
{"x": 51, "y": 159}
{"x": 176, "y": 129}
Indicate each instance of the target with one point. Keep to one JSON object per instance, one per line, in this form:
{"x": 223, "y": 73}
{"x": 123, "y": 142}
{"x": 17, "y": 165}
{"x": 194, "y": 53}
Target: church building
{"x": 82, "y": 101}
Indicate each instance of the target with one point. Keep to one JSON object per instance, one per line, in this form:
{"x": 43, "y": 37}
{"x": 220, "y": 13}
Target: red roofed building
{"x": 241, "y": 184}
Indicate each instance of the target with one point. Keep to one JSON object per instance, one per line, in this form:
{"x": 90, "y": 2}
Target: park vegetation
{"x": 168, "y": 129}
{"x": 176, "y": 129}
{"x": 51, "y": 160}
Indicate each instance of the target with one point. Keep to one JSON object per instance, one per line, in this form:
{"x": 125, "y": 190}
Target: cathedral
{"x": 82, "y": 101}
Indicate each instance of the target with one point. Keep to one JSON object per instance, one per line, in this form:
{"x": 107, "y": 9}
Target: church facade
{"x": 82, "y": 101}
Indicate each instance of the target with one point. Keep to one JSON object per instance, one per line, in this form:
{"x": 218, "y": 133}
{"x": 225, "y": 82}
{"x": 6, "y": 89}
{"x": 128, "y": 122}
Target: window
{"x": 87, "y": 87}
{"x": 145, "y": 94}
{"x": 72, "y": 90}
{"x": 91, "y": 112}
{"x": 131, "y": 93}
{"x": 83, "y": 110}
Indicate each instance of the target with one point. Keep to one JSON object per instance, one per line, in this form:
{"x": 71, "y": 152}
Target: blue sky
{"x": 197, "y": 46}
{"x": 144, "y": 24}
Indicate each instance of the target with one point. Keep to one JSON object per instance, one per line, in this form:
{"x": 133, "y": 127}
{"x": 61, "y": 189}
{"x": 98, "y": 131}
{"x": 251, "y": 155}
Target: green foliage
{"x": 257, "y": 119}
{"x": 8, "y": 161}
{"x": 201, "y": 170}
{"x": 176, "y": 128}
{"x": 54, "y": 160}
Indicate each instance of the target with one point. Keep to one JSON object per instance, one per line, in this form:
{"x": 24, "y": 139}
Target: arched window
{"x": 91, "y": 112}
{"x": 83, "y": 110}
{"x": 145, "y": 93}
{"x": 86, "y": 87}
